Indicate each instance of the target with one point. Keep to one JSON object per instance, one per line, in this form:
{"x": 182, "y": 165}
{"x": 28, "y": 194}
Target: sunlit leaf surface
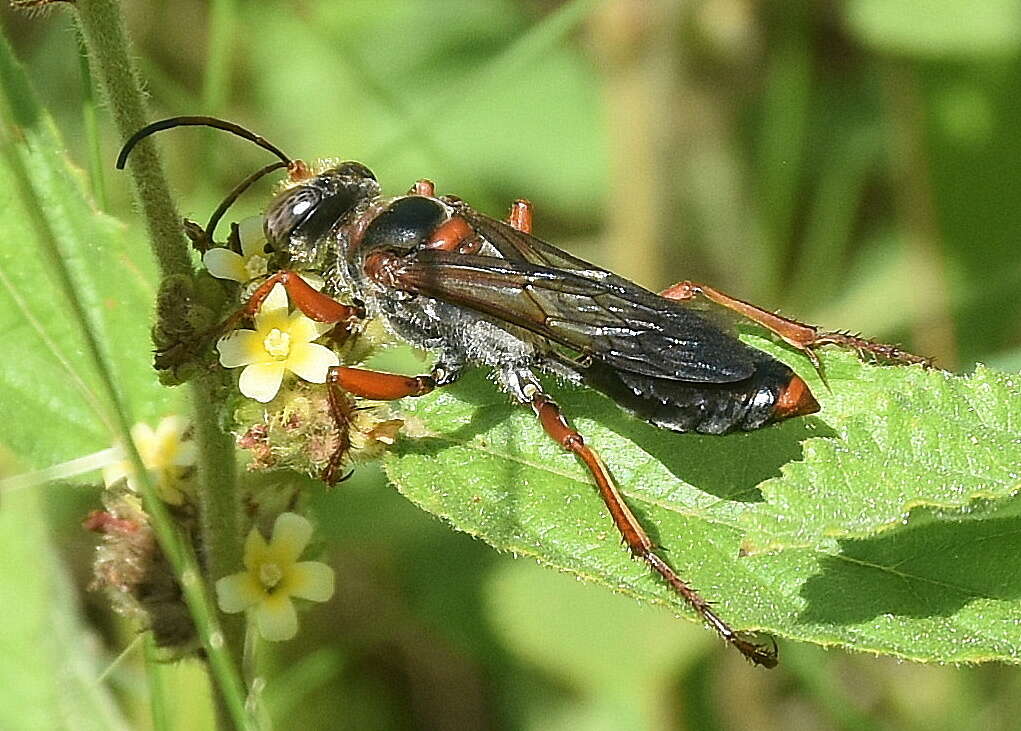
{"x": 888, "y": 439}
{"x": 52, "y": 407}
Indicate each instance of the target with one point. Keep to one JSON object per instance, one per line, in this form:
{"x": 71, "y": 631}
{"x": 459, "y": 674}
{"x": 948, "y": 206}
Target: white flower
{"x": 281, "y": 341}
{"x": 164, "y": 452}
{"x": 273, "y": 574}
{"x": 250, "y": 264}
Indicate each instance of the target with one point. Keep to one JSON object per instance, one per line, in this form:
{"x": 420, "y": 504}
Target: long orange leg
{"x": 378, "y": 386}
{"x": 635, "y": 537}
{"x": 637, "y": 540}
{"x": 314, "y": 304}
{"x": 803, "y": 337}
{"x": 375, "y": 386}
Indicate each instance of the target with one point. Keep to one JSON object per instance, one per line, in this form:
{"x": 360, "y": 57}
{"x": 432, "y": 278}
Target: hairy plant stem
{"x": 102, "y": 26}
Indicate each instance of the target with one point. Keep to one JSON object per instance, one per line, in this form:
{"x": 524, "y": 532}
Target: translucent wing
{"x": 578, "y": 305}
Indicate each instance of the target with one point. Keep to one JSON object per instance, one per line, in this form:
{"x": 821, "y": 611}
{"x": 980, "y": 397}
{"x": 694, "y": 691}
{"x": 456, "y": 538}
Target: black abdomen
{"x": 707, "y": 408}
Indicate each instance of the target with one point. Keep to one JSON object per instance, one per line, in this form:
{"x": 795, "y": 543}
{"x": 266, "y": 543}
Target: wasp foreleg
{"x": 314, "y": 304}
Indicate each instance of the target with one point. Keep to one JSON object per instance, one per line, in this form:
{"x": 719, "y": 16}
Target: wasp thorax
{"x": 405, "y": 224}
{"x": 302, "y": 217}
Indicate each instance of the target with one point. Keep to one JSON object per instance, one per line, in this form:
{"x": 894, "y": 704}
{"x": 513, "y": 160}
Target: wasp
{"x": 478, "y": 291}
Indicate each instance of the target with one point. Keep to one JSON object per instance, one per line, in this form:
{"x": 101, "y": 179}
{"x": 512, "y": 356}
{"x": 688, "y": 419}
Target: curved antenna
{"x": 236, "y": 193}
{"x": 172, "y": 122}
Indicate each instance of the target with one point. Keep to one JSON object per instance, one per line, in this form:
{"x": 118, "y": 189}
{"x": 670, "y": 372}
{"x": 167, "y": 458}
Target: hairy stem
{"x": 102, "y": 26}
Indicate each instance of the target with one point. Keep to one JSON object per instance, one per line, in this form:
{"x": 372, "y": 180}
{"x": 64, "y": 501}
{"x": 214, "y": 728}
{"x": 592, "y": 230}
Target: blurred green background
{"x": 851, "y": 163}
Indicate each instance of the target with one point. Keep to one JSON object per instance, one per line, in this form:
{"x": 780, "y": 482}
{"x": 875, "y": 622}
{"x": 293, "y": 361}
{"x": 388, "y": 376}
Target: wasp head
{"x": 300, "y": 219}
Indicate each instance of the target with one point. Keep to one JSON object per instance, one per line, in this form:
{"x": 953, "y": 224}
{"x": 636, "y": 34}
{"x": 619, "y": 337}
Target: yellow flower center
{"x": 256, "y": 265}
{"x": 277, "y": 343}
{"x": 270, "y": 575}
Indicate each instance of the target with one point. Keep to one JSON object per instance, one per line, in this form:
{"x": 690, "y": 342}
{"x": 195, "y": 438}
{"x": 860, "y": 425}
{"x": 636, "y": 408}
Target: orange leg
{"x": 520, "y": 216}
{"x": 803, "y": 337}
{"x": 635, "y": 537}
{"x": 423, "y": 187}
{"x": 314, "y": 304}
{"x": 376, "y": 386}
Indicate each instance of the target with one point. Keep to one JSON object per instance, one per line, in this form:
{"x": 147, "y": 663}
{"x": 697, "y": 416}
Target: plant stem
{"x": 218, "y": 498}
{"x": 157, "y": 688}
{"x": 102, "y": 26}
{"x": 173, "y": 544}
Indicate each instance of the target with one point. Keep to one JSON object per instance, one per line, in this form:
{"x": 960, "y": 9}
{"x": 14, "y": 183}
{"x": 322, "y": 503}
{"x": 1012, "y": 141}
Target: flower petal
{"x": 187, "y": 454}
{"x": 225, "y": 264}
{"x": 304, "y": 329}
{"x": 145, "y": 442}
{"x": 170, "y": 427}
{"x": 116, "y": 472}
{"x": 167, "y": 442}
{"x": 291, "y": 534}
{"x": 276, "y": 618}
{"x": 273, "y": 310}
{"x": 311, "y": 362}
{"x": 238, "y": 592}
{"x": 261, "y": 381}
{"x": 255, "y": 550}
{"x": 252, "y": 235}
{"x": 311, "y": 580}
{"x": 241, "y": 347}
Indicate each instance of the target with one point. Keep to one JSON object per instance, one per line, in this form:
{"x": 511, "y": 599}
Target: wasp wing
{"x": 584, "y": 308}
{"x": 515, "y": 245}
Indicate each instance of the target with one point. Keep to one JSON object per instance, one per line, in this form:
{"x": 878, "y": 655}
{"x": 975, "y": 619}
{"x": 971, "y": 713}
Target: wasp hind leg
{"x": 637, "y": 540}
{"x": 805, "y": 338}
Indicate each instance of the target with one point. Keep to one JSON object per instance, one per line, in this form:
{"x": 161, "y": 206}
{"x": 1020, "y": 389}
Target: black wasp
{"x": 479, "y": 291}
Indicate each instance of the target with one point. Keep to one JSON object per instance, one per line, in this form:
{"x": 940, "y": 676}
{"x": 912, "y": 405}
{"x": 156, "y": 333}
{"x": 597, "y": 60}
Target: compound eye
{"x": 288, "y": 212}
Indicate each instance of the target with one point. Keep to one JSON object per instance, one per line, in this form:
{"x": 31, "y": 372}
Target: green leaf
{"x": 53, "y": 408}
{"x": 938, "y": 28}
{"x": 905, "y": 437}
{"x": 944, "y": 587}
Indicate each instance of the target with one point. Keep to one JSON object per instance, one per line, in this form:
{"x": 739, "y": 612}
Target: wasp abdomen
{"x": 772, "y": 393}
